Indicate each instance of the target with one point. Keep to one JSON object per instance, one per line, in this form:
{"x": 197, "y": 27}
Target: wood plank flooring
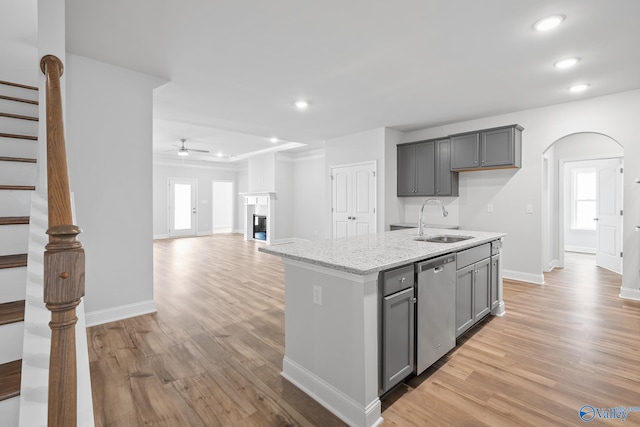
{"x": 212, "y": 354}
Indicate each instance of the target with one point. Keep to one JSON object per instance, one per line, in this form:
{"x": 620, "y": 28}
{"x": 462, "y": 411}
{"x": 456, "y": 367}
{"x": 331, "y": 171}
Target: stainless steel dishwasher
{"x": 435, "y": 311}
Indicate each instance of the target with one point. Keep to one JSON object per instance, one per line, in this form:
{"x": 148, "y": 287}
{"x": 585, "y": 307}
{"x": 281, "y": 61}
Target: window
{"x": 583, "y": 199}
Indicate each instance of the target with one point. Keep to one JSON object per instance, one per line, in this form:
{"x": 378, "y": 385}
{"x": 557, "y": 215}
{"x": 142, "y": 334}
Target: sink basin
{"x": 442, "y": 238}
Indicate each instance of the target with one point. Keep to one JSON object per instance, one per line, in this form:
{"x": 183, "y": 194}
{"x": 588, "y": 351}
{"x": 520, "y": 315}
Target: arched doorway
{"x": 571, "y": 164}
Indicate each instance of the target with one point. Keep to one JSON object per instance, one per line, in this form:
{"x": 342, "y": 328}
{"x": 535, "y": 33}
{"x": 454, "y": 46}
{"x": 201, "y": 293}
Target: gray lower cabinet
{"x": 495, "y": 281}
{"x": 473, "y": 287}
{"x": 489, "y": 148}
{"x": 398, "y": 326}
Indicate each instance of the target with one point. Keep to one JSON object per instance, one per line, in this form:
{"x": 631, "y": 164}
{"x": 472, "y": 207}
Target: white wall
{"x": 205, "y": 174}
{"x": 511, "y": 190}
{"x": 109, "y": 143}
{"x": 357, "y": 148}
{"x": 309, "y": 208}
{"x": 223, "y": 202}
{"x": 394, "y": 207}
{"x": 262, "y": 175}
{"x": 241, "y": 187}
{"x": 284, "y": 198}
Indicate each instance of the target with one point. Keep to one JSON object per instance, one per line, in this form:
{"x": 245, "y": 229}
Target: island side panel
{"x": 331, "y": 344}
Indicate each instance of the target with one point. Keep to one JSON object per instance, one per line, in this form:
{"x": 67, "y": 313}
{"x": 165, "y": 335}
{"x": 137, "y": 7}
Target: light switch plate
{"x": 529, "y": 209}
{"x": 489, "y": 208}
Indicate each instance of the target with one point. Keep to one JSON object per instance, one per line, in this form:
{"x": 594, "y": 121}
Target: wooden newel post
{"x": 63, "y": 261}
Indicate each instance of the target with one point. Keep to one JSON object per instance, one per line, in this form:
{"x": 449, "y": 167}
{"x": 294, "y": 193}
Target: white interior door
{"x": 363, "y": 211}
{"x": 609, "y": 215}
{"x": 354, "y": 200}
{"x": 182, "y": 207}
{"x": 341, "y": 203}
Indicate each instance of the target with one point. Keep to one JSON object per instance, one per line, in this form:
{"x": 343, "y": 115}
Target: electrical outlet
{"x": 317, "y": 294}
{"x": 489, "y": 208}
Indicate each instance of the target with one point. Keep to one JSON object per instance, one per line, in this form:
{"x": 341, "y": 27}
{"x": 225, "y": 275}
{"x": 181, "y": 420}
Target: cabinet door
{"x": 497, "y": 148}
{"x": 425, "y": 173}
{"x": 397, "y": 337}
{"x": 495, "y": 281}
{"x": 481, "y": 289}
{"x": 464, "y": 299}
{"x": 446, "y": 181}
{"x": 406, "y": 170}
{"x": 465, "y": 151}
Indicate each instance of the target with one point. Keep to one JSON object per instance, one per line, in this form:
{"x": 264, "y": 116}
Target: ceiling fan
{"x": 184, "y": 151}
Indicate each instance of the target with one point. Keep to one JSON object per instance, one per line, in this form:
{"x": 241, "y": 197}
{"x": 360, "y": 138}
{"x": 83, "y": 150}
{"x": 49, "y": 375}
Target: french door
{"x": 182, "y": 207}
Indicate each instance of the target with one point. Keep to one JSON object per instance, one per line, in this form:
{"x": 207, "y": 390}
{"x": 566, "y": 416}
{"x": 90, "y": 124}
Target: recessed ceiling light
{"x": 548, "y": 23}
{"x": 273, "y": 139}
{"x": 566, "y": 63}
{"x": 301, "y": 104}
{"x": 579, "y": 88}
{"x": 220, "y": 154}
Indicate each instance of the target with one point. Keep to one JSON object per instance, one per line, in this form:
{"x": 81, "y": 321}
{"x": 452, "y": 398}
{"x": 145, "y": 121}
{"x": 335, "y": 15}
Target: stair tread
{"x": 13, "y": 98}
{"x": 18, "y": 85}
{"x": 12, "y": 220}
{"x": 13, "y": 261}
{"x": 17, "y": 159}
{"x": 19, "y": 116}
{"x": 16, "y": 136}
{"x": 10, "y": 375}
{"x": 11, "y": 312}
{"x": 17, "y": 187}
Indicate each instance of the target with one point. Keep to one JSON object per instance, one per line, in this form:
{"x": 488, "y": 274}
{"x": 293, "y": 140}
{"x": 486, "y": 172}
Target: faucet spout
{"x": 421, "y": 216}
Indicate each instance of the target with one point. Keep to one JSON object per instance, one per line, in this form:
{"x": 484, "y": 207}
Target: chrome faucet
{"x": 420, "y": 218}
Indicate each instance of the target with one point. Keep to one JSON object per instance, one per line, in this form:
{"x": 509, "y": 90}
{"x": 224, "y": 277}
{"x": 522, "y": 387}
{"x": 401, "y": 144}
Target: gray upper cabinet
{"x": 416, "y": 169}
{"x": 406, "y": 170}
{"x": 424, "y": 169}
{"x": 465, "y": 150}
{"x": 446, "y": 180}
{"x": 490, "y": 149}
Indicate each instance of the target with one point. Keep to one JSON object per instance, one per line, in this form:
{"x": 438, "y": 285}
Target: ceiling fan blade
{"x": 177, "y": 146}
{"x": 198, "y": 151}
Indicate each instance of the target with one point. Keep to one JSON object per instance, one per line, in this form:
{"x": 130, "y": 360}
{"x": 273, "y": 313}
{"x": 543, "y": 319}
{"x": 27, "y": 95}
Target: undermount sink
{"x": 442, "y": 238}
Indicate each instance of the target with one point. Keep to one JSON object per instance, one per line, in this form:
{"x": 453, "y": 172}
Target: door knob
{"x": 595, "y": 219}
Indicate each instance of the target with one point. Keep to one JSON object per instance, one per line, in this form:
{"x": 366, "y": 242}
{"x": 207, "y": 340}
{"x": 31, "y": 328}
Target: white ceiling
{"x": 236, "y": 67}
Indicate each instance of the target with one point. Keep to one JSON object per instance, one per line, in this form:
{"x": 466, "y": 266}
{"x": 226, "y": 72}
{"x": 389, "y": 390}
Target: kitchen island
{"x": 333, "y": 314}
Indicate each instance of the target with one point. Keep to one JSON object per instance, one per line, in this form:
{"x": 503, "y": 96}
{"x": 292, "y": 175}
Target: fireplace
{"x": 260, "y": 216}
{"x": 260, "y": 227}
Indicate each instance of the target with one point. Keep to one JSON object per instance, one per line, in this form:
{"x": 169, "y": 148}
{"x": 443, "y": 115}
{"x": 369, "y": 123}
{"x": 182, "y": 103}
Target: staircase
{"x": 18, "y": 152}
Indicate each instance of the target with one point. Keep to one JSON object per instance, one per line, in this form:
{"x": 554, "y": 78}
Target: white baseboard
{"x": 99, "y": 317}
{"x": 554, "y": 263}
{"x": 205, "y": 233}
{"x": 628, "y": 293}
{"x": 580, "y": 249}
{"x": 537, "y": 279}
{"x": 160, "y": 236}
{"x": 338, "y": 403}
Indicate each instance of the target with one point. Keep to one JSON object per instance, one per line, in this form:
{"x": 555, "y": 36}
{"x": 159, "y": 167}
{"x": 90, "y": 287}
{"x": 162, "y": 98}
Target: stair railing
{"x": 63, "y": 260}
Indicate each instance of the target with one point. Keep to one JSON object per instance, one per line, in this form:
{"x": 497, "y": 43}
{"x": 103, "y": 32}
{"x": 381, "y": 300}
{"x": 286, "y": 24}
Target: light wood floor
{"x": 213, "y": 352}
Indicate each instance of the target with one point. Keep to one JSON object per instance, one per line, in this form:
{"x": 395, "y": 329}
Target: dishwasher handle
{"x": 436, "y": 264}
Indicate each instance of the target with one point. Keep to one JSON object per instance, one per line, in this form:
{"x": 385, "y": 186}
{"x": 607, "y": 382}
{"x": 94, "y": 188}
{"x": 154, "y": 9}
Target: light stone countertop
{"x": 372, "y": 253}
